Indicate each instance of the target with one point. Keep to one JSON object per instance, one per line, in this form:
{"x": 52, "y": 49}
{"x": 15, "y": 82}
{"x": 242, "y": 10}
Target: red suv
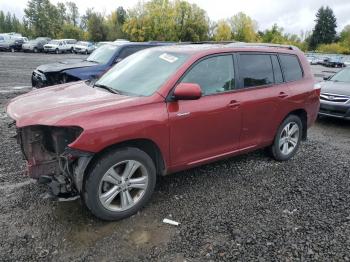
{"x": 163, "y": 110}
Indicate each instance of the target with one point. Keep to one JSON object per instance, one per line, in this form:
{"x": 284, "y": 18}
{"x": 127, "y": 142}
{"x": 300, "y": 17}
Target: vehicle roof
{"x": 194, "y": 49}
{"x": 125, "y": 43}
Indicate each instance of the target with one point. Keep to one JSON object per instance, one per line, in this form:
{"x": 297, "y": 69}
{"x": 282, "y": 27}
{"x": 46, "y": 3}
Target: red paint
{"x": 188, "y": 132}
{"x": 187, "y": 91}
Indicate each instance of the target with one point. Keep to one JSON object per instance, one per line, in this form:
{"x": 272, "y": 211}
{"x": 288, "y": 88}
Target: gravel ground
{"x": 245, "y": 208}
{"x": 16, "y": 68}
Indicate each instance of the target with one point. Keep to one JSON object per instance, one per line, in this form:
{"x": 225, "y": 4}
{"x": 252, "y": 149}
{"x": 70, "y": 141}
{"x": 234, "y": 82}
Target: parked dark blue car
{"x": 101, "y": 60}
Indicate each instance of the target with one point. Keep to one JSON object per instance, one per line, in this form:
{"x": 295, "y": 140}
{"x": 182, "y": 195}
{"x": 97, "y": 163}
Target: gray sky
{"x": 293, "y": 15}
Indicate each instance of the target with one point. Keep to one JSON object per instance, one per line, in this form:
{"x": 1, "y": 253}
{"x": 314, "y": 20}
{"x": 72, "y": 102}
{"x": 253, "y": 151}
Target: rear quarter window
{"x": 291, "y": 68}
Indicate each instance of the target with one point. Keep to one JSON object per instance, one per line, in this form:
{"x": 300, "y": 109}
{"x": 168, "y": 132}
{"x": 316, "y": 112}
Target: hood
{"x": 63, "y": 104}
{"x": 64, "y": 65}
{"x": 335, "y": 88}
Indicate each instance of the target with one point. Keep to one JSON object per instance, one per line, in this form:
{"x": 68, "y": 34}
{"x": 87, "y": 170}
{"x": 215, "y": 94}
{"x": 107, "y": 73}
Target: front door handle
{"x": 234, "y": 104}
{"x": 282, "y": 95}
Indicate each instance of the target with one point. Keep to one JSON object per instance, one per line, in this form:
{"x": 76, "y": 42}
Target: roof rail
{"x": 243, "y": 44}
{"x": 204, "y": 42}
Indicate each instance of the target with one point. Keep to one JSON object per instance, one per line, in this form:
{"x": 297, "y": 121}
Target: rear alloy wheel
{"x": 287, "y": 139}
{"x": 120, "y": 184}
{"x": 35, "y": 50}
{"x": 57, "y": 51}
{"x": 12, "y": 50}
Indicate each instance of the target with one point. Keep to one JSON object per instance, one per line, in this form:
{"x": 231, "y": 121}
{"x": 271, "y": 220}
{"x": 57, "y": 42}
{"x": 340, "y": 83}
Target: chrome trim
{"x": 334, "y": 98}
{"x": 184, "y": 114}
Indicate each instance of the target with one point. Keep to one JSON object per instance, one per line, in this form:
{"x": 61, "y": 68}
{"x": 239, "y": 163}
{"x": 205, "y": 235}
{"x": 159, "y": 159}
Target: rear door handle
{"x": 234, "y": 104}
{"x": 282, "y": 95}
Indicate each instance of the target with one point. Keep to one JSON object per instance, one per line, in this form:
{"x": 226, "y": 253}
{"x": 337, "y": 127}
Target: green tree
{"x": 71, "y": 31}
{"x": 324, "y": 31}
{"x": 85, "y": 18}
{"x": 243, "y": 28}
{"x": 166, "y": 20}
{"x": 2, "y": 21}
{"x": 62, "y": 12}
{"x": 96, "y": 27}
{"x": 223, "y": 31}
{"x": 135, "y": 25}
{"x": 273, "y": 35}
{"x": 115, "y": 23}
{"x": 72, "y": 13}
{"x": 43, "y": 18}
{"x": 191, "y": 22}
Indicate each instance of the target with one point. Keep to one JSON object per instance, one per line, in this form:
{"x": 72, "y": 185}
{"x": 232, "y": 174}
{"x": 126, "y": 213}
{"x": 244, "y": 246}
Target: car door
{"x": 261, "y": 92}
{"x": 209, "y": 127}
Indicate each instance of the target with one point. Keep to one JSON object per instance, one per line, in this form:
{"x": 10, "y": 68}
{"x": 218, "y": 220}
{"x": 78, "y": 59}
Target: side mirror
{"x": 326, "y": 78}
{"x": 187, "y": 91}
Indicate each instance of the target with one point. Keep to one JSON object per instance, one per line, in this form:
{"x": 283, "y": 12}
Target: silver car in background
{"x": 335, "y": 95}
{"x": 84, "y": 47}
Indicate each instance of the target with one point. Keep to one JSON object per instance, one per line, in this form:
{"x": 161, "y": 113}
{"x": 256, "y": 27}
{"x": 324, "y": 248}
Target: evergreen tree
{"x": 324, "y": 31}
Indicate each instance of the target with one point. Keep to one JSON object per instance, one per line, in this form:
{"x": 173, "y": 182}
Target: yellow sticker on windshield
{"x": 168, "y": 58}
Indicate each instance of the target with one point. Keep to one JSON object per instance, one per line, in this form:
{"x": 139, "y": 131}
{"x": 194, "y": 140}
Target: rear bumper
{"x": 338, "y": 110}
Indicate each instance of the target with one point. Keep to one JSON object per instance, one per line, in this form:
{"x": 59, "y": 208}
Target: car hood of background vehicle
{"x": 64, "y": 65}
{"x": 336, "y": 88}
{"x": 67, "y": 102}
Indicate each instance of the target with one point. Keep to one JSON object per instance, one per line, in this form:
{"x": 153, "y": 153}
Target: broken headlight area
{"x": 50, "y": 160}
{"x": 61, "y": 78}
{"x": 56, "y": 78}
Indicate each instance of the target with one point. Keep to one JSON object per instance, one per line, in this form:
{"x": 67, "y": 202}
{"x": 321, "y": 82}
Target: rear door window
{"x": 291, "y": 67}
{"x": 255, "y": 70}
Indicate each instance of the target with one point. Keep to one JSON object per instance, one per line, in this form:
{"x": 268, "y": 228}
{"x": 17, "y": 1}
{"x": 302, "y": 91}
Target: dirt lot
{"x": 245, "y": 208}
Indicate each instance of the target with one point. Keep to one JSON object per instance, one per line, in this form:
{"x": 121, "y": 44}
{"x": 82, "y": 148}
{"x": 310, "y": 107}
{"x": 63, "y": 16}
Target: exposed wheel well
{"x": 301, "y": 113}
{"x": 146, "y": 145}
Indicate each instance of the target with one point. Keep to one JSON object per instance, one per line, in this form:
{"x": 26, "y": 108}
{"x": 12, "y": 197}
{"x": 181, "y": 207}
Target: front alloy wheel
{"x": 119, "y": 183}
{"x": 123, "y": 185}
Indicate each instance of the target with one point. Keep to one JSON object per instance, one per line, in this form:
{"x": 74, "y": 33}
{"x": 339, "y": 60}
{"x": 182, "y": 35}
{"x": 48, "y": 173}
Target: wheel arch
{"x": 146, "y": 145}
{"x": 302, "y": 114}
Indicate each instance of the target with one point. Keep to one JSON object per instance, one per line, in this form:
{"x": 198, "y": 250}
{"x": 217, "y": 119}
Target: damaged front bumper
{"x": 51, "y": 161}
{"x": 41, "y": 79}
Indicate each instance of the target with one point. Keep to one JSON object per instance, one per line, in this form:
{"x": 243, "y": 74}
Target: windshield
{"x": 54, "y": 42}
{"x": 82, "y": 43}
{"x": 33, "y": 41}
{"x": 102, "y": 54}
{"x": 142, "y": 73}
{"x": 341, "y": 76}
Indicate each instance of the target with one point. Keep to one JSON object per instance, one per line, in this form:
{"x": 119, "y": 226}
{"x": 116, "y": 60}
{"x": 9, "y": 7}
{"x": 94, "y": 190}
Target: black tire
{"x": 86, "y": 52}
{"x": 12, "y": 50}
{"x": 98, "y": 170}
{"x": 57, "y": 51}
{"x": 275, "y": 147}
{"x": 35, "y": 50}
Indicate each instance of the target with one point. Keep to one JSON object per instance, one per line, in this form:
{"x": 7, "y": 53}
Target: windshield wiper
{"x": 107, "y": 88}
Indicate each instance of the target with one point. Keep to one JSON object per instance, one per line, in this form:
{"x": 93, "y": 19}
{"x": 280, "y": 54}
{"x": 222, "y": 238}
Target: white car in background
{"x": 57, "y": 46}
{"x": 71, "y": 43}
{"x": 84, "y": 47}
